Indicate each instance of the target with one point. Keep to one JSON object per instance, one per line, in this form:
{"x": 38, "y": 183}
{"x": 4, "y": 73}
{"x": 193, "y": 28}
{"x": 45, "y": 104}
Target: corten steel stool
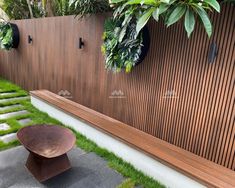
{"x": 48, "y": 146}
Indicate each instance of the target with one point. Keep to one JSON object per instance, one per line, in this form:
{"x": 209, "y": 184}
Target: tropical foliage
{"x": 123, "y": 38}
{"x": 172, "y": 11}
{"x": 6, "y": 36}
{"x": 22, "y": 9}
{"x": 62, "y": 8}
{"x": 88, "y": 7}
{"x": 122, "y": 44}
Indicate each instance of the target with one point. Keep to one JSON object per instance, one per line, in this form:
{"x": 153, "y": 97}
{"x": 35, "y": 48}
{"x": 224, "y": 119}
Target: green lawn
{"x": 134, "y": 177}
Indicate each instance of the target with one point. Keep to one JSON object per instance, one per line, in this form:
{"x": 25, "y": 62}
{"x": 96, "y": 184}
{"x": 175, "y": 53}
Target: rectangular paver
{"x": 8, "y": 138}
{"x": 13, "y": 114}
{"x": 14, "y": 99}
{"x": 4, "y": 127}
{"x": 24, "y": 121}
{"x": 8, "y": 93}
{"x": 10, "y": 107}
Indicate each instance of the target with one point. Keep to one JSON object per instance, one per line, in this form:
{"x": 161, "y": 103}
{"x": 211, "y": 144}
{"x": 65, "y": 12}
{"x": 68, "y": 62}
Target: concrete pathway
{"x": 88, "y": 171}
{"x": 12, "y": 136}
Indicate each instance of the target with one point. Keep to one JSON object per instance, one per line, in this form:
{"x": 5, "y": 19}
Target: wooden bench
{"x": 191, "y": 165}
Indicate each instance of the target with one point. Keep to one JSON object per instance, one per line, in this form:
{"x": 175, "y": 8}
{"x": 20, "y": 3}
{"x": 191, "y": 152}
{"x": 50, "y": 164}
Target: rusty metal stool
{"x": 48, "y": 146}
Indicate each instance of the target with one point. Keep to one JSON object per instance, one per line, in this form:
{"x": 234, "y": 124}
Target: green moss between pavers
{"x": 134, "y": 177}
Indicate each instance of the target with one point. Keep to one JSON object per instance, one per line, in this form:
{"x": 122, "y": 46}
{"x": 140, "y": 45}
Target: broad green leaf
{"x": 70, "y": 3}
{"x": 143, "y": 20}
{"x": 177, "y": 13}
{"x": 122, "y": 34}
{"x": 205, "y": 20}
{"x": 142, "y": 2}
{"x": 165, "y": 1}
{"x": 155, "y": 14}
{"x": 214, "y": 4}
{"x": 131, "y": 2}
{"x": 117, "y": 1}
{"x": 148, "y": 2}
{"x": 189, "y": 22}
{"x": 172, "y": 1}
{"x": 163, "y": 8}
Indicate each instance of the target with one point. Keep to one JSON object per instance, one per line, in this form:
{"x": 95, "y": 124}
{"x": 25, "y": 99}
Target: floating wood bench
{"x": 191, "y": 165}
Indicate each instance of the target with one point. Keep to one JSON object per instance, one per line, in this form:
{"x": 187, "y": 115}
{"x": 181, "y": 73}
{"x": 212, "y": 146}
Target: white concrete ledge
{"x": 149, "y": 166}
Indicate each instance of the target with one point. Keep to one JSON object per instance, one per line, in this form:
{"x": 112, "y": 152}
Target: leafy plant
{"x": 122, "y": 44}
{"x": 20, "y": 9}
{"x": 62, "y": 8}
{"x": 172, "y": 11}
{"x": 88, "y": 7}
{"x": 6, "y": 35}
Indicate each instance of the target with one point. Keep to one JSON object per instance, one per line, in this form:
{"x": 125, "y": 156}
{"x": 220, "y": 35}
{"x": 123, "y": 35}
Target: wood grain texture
{"x": 174, "y": 95}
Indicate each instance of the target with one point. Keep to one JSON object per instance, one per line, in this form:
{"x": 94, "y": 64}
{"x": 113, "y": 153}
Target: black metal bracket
{"x": 30, "y": 39}
{"x": 81, "y": 43}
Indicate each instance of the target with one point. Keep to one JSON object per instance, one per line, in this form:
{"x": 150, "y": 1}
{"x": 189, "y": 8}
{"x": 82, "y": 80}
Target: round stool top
{"x": 47, "y": 140}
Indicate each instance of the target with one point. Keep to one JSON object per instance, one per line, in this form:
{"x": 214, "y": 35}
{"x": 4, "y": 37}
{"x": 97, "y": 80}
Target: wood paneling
{"x": 174, "y": 95}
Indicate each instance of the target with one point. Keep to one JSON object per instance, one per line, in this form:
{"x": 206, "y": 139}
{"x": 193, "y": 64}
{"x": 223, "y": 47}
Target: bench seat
{"x": 191, "y": 165}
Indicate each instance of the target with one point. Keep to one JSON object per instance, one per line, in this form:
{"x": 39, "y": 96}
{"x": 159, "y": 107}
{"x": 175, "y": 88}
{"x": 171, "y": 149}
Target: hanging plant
{"x": 122, "y": 45}
{"x": 9, "y": 35}
{"x": 123, "y": 34}
{"x": 6, "y": 36}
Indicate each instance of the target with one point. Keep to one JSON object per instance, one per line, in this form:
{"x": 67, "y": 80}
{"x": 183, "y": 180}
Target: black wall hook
{"x": 30, "y": 39}
{"x": 81, "y": 43}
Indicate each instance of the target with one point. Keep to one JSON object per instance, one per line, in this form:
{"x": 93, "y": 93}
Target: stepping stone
{"x": 8, "y": 93}
{"x": 24, "y": 121}
{"x": 14, "y": 99}
{"x": 10, "y": 107}
{"x": 4, "y": 127}
{"x": 12, "y": 114}
{"x": 8, "y": 138}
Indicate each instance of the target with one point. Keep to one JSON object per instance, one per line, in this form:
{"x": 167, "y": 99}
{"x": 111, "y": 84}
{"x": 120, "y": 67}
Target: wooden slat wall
{"x": 200, "y": 115}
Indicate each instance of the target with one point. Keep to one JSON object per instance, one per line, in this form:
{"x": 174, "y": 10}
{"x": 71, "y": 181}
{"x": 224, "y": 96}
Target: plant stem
{"x": 30, "y": 9}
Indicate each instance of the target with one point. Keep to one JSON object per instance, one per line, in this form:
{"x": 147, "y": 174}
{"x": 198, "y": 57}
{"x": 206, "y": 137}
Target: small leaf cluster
{"x": 6, "y": 36}
{"x": 122, "y": 44}
{"x": 62, "y": 7}
{"x": 84, "y": 8}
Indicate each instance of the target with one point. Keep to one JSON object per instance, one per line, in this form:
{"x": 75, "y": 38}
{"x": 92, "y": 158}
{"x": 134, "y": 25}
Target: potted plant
{"x": 9, "y": 35}
{"x": 123, "y": 47}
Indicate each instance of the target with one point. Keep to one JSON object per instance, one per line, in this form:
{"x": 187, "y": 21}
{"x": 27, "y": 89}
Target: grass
{"x": 133, "y": 176}
{"x": 128, "y": 183}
